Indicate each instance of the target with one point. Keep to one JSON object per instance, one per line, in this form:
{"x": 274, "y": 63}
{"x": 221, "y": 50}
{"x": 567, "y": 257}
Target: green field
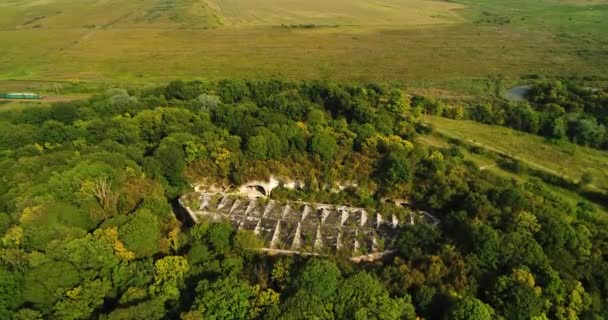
{"x": 418, "y": 42}
{"x": 487, "y": 163}
{"x": 565, "y": 159}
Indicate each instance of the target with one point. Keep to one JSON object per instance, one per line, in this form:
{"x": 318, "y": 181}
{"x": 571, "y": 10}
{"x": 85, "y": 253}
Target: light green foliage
{"x": 82, "y": 300}
{"x": 467, "y": 308}
{"x": 281, "y": 271}
{"x": 93, "y": 254}
{"x": 266, "y": 302}
{"x": 316, "y": 117}
{"x": 257, "y": 147}
{"x": 324, "y": 144}
{"x": 209, "y": 102}
{"x": 517, "y": 297}
{"x": 246, "y": 241}
{"x": 74, "y": 184}
{"x": 398, "y": 101}
{"x": 134, "y": 274}
{"x": 141, "y": 233}
{"x": 27, "y": 314}
{"x": 150, "y": 125}
{"x": 149, "y": 310}
{"x": 51, "y": 221}
{"x": 168, "y": 276}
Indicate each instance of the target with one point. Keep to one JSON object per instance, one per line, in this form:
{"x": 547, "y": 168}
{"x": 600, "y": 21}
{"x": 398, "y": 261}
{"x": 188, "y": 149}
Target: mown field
{"x": 565, "y": 158}
{"x": 420, "y": 42}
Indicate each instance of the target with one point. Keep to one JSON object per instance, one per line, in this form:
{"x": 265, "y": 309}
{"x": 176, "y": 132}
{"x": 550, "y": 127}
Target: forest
{"x": 88, "y": 189}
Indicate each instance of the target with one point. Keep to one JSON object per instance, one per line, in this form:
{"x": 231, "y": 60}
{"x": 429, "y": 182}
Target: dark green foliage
{"x": 361, "y": 296}
{"x": 11, "y": 287}
{"x": 396, "y": 168}
{"x": 319, "y": 278}
{"x": 227, "y": 298}
{"x": 46, "y": 283}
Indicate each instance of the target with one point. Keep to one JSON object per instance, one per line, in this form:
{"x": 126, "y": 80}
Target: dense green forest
{"x": 88, "y": 231}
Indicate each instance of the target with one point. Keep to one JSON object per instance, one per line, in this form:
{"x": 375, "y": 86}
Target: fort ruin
{"x": 303, "y": 227}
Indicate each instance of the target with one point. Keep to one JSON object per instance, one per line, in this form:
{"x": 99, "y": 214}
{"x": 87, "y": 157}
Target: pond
{"x": 518, "y": 93}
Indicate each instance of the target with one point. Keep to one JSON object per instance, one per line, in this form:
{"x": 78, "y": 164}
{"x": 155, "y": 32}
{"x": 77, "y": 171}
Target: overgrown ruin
{"x": 303, "y": 227}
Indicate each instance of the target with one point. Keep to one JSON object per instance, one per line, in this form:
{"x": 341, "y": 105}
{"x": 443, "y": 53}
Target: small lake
{"x": 518, "y": 93}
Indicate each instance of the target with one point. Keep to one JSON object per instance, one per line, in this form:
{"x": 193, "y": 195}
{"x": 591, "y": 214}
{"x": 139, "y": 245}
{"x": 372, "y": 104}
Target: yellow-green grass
{"x": 565, "y": 159}
{"x": 214, "y": 13}
{"x": 334, "y": 12}
{"x": 54, "y": 14}
{"x": 418, "y": 42}
{"x": 20, "y": 105}
{"x": 436, "y": 53}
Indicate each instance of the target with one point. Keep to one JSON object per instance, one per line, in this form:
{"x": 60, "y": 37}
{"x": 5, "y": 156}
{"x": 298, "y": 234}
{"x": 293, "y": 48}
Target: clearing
{"x": 565, "y": 159}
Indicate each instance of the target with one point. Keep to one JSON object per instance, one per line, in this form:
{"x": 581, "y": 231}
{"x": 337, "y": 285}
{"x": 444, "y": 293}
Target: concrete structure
{"x": 303, "y": 227}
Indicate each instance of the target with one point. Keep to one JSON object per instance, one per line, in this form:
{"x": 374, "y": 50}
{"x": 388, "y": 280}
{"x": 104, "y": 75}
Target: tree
{"x": 303, "y": 305}
{"x": 172, "y": 159}
{"x": 175, "y": 90}
{"x": 361, "y": 296}
{"x": 486, "y": 242}
{"x": 80, "y": 302}
{"x": 316, "y": 117}
{"x": 63, "y": 112}
{"x": 45, "y": 284}
{"x": 398, "y": 102}
{"x": 233, "y": 91}
{"x": 395, "y": 168}
{"x": 10, "y": 292}
{"x": 227, "y": 298}
{"x": 141, "y": 233}
{"x": 516, "y": 297}
{"x": 319, "y": 278}
{"x": 469, "y": 308}
{"x": 257, "y": 149}
{"x": 324, "y": 144}
{"x": 219, "y": 236}
{"x": 168, "y": 275}
{"x": 209, "y": 102}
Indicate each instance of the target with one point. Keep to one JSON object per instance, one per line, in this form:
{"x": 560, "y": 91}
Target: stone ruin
{"x": 304, "y": 228}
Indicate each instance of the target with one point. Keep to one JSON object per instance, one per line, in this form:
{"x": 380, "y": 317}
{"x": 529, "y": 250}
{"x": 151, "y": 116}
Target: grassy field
{"x": 566, "y": 159}
{"x": 418, "y": 42}
{"x": 489, "y": 164}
